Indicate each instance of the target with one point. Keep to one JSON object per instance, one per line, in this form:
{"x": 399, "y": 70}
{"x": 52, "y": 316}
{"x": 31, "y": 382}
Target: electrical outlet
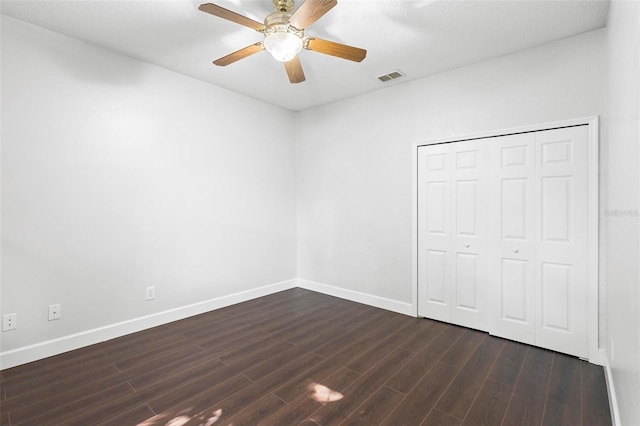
{"x": 9, "y": 322}
{"x": 150, "y": 293}
{"x": 55, "y": 312}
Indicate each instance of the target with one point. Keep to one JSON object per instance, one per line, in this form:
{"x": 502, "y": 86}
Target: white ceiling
{"x": 419, "y": 38}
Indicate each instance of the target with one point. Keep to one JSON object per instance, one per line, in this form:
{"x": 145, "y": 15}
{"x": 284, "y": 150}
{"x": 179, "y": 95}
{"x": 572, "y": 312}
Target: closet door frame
{"x": 595, "y": 356}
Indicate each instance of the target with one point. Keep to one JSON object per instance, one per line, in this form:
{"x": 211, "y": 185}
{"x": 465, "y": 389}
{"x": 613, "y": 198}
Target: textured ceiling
{"x": 417, "y": 37}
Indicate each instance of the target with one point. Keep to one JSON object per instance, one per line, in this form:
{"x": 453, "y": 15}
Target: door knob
{"x": 467, "y": 245}
{"x": 515, "y": 250}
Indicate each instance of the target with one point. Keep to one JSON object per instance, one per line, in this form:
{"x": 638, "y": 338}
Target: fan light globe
{"x": 283, "y": 46}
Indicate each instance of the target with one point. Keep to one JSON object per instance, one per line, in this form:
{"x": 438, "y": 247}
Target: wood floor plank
{"x": 306, "y": 404}
{"x": 461, "y": 350}
{"x": 556, "y": 413}
{"x": 42, "y": 367}
{"x": 528, "y": 398}
{"x": 440, "y": 418}
{"x": 509, "y": 363}
{"x": 388, "y": 327}
{"x": 65, "y": 390}
{"x": 152, "y": 361}
{"x": 595, "y": 404}
{"x": 132, "y": 417}
{"x": 367, "y": 359}
{"x": 213, "y": 328}
{"x": 109, "y": 409}
{"x": 142, "y": 339}
{"x": 235, "y": 403}
{"x": 52, "y": 378}
{"x": 195, "y": 403}
{"x": 417, "y": 405}
{"x": 341, "y": 379}
{"x": 564, "y": 381}
{"x": 359, "y": 391}
{"x": 375, "y": 409}
{"x": 183, "y": 379}
{"x": 201, "y": 384}
{"x": 291, "y": 358}
{"x": 139, "y": 353}
{"x": 257, "y": 412}
{"x": 181, "y": 367}
{"x": 223, "y": 344}
{"x": 426, "y": 331}
{"x": 61, "y": 414}
{"x": 406, "y": 378}
{"x": 59, "y": 396}
{"x": 297, "y": 386}
{"x": 197, "y": 322}
{"x": 289, "y": 363}
{"x": 293, "y": 414}
{"x": 489, "y": 407}
{"x": 245, "y": 349}
{"x": 464, "y": 388}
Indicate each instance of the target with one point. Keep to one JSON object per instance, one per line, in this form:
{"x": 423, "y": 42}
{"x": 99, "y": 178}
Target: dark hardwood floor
{"x": 299, "y": 357}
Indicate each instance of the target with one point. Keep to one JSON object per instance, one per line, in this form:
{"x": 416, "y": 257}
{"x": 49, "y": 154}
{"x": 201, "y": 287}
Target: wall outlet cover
{"x": 9, "y": 322}
{"x": 150, "y": 293}
{"x": 55, "y": 312}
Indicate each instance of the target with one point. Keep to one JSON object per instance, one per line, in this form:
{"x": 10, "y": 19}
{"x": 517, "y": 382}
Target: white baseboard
{"x": 49, "y": 348}
{"x": 611, "y": 389}
{"x": 356, "y": 296}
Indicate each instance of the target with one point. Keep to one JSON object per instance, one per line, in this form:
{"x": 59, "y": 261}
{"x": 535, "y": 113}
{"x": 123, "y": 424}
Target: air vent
{"x": 391, "y": 76}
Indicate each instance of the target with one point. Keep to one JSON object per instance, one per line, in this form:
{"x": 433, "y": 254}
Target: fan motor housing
{"x": 279, "y": 22}
{"x": 283, "y": 5}
{"x": 277, "y": 18}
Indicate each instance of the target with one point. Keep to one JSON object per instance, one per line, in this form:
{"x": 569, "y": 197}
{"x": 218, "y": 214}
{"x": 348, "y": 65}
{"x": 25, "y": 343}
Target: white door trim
{"x": 593, "y": 213}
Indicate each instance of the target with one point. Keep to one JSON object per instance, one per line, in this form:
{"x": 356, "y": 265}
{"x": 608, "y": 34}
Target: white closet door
{"x": 512, "y": 225}
{"x": 503, "y": 236}
{"x": 434, "y": 232}
{"x": 469, "y": 234}
{"x": 452, "y": 240}
{"x": 562, "y": 203}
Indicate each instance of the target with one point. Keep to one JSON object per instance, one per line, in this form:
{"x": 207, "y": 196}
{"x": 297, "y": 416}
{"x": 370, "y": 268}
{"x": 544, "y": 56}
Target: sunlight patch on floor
{"x": 323, "y": 394}
{"x": 202, "y": 419}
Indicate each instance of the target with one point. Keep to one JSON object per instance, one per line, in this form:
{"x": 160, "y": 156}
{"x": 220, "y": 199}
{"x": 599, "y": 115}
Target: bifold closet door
{"x": 538, "y": 245}
{"x": 512, "y": 226}
{"x": 452, "y": 235}
{"x": 503, "y": 236}
{"x": 562, "y": 246}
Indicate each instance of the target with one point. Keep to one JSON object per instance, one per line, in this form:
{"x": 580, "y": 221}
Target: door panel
{"x": 437, "y": 277}
{"x": 451, "y": 239}
{"x": 556, "y": 208}
{"x": 467, "y": 281}
{"x": 512, "y": 244}
{"x": 466, "y": 208}
{"x": 556, "y": 294}
{"x": 562, "y": 244}
{"x": 514, "y": 207}
{"x": 514, "y": 297}
{"x": 469, "y": 241}
{"x": 434, "y": 233}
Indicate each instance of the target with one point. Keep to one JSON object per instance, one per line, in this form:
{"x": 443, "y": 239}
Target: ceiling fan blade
{"x": 223, "y": 13}
{"x": 310, "y": 12}
{"x": 294, "y": 70}
{"x": 239, "y": 54}
{"x": 336, "y": 49}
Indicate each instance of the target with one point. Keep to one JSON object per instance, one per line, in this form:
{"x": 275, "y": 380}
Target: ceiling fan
{"x": 284, "y": 35}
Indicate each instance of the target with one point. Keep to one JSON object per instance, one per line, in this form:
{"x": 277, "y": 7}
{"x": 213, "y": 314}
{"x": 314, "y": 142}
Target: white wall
{"x": 117, "y": 175}
{"x": 354, "y": 157}
{"x": 623, "y": 192}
